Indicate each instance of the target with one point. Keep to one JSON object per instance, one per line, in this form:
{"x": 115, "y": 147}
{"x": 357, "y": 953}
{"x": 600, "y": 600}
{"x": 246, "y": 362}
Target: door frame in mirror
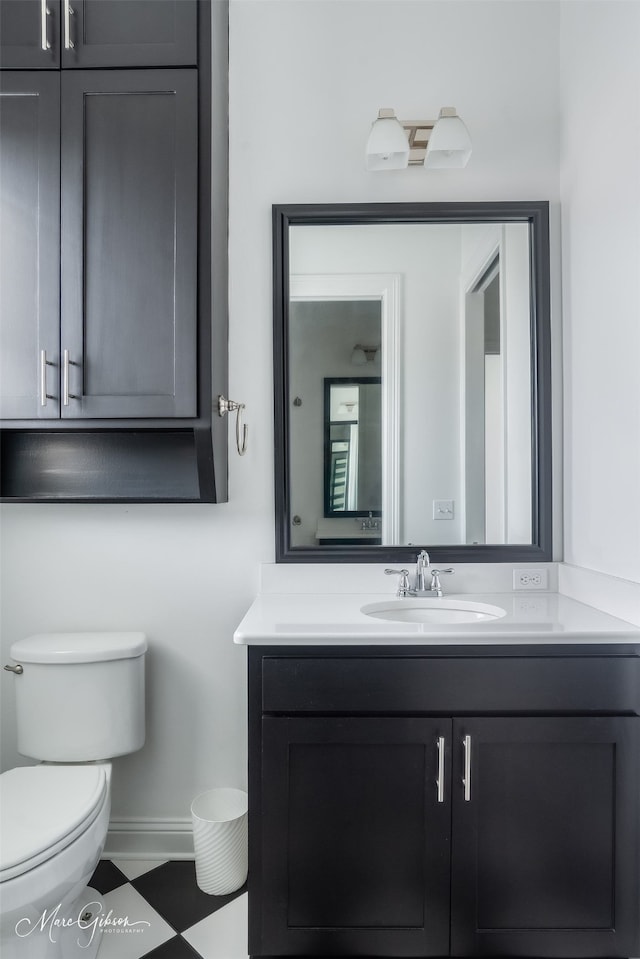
{"x": 383, "y": 288}
{"x": 536, "y": 214}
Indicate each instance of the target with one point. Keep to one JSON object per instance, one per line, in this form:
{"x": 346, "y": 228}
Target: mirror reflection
{"x": 442, "y": 311}
{"x": 352, "y": 447}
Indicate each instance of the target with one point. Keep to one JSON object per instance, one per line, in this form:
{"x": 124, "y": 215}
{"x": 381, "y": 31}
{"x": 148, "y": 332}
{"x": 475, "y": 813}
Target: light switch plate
{"x": 443, "y": 509}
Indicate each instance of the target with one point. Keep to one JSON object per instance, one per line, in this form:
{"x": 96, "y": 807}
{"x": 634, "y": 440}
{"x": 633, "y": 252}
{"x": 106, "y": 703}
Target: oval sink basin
{"x": 438, "y": 612}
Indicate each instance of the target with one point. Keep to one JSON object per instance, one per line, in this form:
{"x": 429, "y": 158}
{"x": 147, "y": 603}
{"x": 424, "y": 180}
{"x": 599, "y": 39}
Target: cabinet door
{"x": 135, "y": 33}
{"x": 29, "y": 34}
{"x": 544, "y": 857}
{"x": 129, "y": 243}
{"x": 29, "y": 244}
{"x": 355, "y": 844}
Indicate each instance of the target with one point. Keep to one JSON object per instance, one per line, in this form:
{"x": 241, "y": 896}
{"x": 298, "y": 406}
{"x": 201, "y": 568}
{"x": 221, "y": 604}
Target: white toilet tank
{"x": 80, "y": 696}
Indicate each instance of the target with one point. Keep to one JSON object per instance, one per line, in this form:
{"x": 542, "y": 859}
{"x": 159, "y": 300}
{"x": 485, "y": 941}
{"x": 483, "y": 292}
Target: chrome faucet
{"x": 422, "y": 567}
{"x": 371, "y": 523}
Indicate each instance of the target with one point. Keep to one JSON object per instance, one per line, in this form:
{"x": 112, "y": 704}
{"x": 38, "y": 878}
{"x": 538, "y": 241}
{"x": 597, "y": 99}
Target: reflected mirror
{"x": 353, "y": 450}
{"x": 412, "y": 379}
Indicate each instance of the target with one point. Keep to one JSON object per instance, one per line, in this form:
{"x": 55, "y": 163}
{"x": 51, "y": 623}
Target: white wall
{"x": 306, "y": 81}
{"x": 600, "y": 191}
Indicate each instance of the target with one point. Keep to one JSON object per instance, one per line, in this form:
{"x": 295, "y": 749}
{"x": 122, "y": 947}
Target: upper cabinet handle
{"x": 440, "y": 779}
{"x": 44, "y": 33}
{"x": 44, "y": 363}
{"x": 66, "y": 395}
{"x": 65, "y": 378}
{"x": 466, "y": 781}
{"x": 68, "y": 13}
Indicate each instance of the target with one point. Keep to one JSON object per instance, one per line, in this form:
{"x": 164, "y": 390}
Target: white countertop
{"x": 335, "y": 619}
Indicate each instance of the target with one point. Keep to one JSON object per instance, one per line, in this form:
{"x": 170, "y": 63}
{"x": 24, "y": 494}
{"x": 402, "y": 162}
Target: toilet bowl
{"x": 78, "y": 696}
{"x": 54, "y": 822}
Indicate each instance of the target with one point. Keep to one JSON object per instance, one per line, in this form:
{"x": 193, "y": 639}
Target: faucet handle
{"x": 403, "y": 586}
{"x": 435, "y": 579}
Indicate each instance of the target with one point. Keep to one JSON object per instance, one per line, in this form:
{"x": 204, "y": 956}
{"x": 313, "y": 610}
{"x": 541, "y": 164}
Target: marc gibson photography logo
{"x": 90, "y": 920}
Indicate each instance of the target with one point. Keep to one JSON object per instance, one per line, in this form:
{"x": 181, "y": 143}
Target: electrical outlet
{"x": 530, "y": 578}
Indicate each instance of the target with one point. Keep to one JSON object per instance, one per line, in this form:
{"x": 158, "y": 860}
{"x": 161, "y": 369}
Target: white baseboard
{"x": 149, "y": 839}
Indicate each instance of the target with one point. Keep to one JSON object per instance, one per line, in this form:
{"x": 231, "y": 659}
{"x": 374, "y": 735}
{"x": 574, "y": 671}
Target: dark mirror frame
{"x": 536, "y": 213}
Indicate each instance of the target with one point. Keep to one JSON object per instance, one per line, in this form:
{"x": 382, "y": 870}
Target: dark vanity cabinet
{"x": 440, "y": 803}
{"x": 48, "y": 34}
{"x": 105, "y": 252}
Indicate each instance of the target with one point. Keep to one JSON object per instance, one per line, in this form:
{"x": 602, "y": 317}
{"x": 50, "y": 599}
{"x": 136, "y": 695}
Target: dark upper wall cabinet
{"x": 112, "y": 333}
{"x": 120, "y": 341}
{"x": 138, "y": 33}
{"x": 30, "y": 34}
{"x": 48, "y": 34}
{"x": 129, "y": 243}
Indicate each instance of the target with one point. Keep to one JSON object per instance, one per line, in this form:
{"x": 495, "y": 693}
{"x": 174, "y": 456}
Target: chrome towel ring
{"x": 242, "y": 430}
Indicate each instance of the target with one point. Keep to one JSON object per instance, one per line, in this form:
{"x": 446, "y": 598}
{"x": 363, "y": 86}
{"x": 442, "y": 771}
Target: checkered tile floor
{"x": 175, "y": 919}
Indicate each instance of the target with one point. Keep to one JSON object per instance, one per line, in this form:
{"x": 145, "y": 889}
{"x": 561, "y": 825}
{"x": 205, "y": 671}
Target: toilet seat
{"x": 43, "y": 809}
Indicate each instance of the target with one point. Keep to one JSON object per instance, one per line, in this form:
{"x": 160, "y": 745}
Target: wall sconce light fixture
{"x": 361, "y": 355}
{"x": 435, "y": 144}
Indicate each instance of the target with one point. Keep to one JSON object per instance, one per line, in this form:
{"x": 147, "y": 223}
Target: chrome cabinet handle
{"x": 440, "y": 779}
{"x": 45, "y": 43}
{"x": 66, "y": 395}
{"x": 44, "y": 363}
{"x": 68, "y": 13}
{"x": 65, "y": 376}
{"x": 466, "y": 781}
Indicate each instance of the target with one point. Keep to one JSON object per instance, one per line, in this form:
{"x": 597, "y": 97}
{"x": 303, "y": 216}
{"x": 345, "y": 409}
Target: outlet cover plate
{"x": 531, "y": 578}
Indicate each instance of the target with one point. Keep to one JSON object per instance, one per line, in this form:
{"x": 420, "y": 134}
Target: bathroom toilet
{"x": 79, "y": 703}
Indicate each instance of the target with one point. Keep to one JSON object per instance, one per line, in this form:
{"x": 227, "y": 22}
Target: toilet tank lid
{"x": 78, "y": 647}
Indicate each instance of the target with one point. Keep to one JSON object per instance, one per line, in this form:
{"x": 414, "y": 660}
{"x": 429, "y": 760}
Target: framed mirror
{"x": 412, "y": 382}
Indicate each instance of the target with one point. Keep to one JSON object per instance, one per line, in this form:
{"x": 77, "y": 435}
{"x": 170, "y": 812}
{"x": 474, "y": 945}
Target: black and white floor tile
{"x": 169, "y": 917}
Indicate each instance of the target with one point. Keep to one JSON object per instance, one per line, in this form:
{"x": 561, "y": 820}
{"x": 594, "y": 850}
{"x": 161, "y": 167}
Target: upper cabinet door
{"x": 129, "y": 33}
{"x": 30, "y": 34}
{"x": 129, "y": 243}
{"x": 29, "y": 244}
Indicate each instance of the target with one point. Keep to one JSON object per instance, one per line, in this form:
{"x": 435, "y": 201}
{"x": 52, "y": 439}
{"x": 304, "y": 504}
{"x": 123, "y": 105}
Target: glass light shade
{"x": 449, "y": 145}
{"x": 387, "y": 147}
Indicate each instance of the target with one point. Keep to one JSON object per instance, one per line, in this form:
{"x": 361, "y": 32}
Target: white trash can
{"x": 219, "y": 819}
